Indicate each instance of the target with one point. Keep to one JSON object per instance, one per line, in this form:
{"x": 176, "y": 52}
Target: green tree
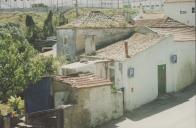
{"x": 48, "y": 25}
{"x": 19, "y": 62}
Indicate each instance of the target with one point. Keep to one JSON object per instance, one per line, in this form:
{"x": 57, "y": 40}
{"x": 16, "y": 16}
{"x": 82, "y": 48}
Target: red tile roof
{"x": 180, "y": 31}
{"x": 83, "y": 80}
{"x": 136, "y": 44}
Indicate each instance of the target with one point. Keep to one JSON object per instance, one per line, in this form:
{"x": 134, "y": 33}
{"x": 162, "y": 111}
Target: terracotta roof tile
{"x": 83, "y": 80}
{"x": 180, "y": 31}
{"x": 180, "y": 34}
{"x": 136, "y": 43}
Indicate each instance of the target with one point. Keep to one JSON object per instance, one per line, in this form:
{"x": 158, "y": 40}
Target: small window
{"x": 193, "y": 9}
{"x": 182, "y": 12}
{"x": 65, "y": 41}
{"x": 112, "y": 74}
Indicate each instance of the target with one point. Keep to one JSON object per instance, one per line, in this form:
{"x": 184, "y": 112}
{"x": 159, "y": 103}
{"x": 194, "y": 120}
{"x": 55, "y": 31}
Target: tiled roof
{"x": 178, "y": 1}
{"x": 165, "y": 22}
{"x": 180, "y": 31}
{"x": 136, "y": 44}
{"x": 97, "y": 19}
{"x": 83, "y": 80}
{"x": 180, "y": 34}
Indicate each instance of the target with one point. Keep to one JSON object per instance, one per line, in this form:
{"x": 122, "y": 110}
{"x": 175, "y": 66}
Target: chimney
{"x": 90, "y": 48}
{"x": 126, "y": 50}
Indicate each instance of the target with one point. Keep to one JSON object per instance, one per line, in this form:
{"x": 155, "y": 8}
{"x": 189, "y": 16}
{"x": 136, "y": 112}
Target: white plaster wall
{"x": 103, "y": 105}
{"x": 173, "y": 10}
{"x": 143, "y": 87}
{"x": 185, "y": 69}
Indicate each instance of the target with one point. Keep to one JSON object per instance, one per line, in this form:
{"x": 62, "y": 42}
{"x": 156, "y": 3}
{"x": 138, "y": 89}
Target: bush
{"x": 14, "y": 107}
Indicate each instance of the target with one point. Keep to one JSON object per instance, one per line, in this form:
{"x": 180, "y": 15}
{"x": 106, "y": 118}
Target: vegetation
{"x": 14, "y": 107}
{"x": 48, "y": 28}
{"x": 19, "y": 62}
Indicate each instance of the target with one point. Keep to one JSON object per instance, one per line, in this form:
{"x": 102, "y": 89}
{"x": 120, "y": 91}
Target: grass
{"x": 19, "y": 18}
{"x": 39, "y": 17}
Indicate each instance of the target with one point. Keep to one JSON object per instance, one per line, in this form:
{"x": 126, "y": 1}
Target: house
{"x": 101, "y": 3}
{"x": 181, "y": 10}
{"x": 85, "y": 99}
{"x": 185, "y": 44}
{"x": 141, "y": 65}
{"x": 96, "y": 28}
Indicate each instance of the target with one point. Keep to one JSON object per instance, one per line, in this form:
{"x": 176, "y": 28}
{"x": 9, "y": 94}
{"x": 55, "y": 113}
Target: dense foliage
{"x": 14, "y": 106}
{"x": 19, "y": 62}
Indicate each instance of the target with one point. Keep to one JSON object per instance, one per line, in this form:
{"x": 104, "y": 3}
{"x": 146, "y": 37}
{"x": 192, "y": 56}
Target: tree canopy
{"x": 19, "y": 62}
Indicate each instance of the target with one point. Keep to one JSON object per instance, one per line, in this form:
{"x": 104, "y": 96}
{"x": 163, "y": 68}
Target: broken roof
{"x": 136, "y": 44}
{"x": 83, "y": 80}
{"x": 166, "y": 25}
{"x": 97, "y": 19}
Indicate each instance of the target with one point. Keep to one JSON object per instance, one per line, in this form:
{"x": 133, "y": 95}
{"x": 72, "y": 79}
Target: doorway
{"x": 161, "y": 79}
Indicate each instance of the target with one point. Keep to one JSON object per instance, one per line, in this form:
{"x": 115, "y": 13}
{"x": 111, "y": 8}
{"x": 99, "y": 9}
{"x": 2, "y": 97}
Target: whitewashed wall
{"x": 104, "y": 105}
{"x": 173, "y": 10}
{"x": 184, "y": 72}
{"x": 143, "y": 87}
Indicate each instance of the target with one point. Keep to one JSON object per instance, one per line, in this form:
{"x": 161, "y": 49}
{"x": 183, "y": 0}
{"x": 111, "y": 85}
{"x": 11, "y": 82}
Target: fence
{"x": 55, "y": 4}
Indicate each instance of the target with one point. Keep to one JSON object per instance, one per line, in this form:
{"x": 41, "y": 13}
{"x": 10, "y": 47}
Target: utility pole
{"x": 57, "y": 5}
{"x": 0, "y": 4}
{"x": 76, "y": 6}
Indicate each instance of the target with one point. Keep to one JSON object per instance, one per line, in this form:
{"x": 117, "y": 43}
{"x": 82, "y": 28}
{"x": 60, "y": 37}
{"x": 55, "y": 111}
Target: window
{"x": 182, "y": 12}
{"x": 193, "y": 9}
{"x": 112, "y": 74}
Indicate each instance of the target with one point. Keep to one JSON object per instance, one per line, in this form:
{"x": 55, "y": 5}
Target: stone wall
{"x": 93, "y": 106}
{"x": 71, "y": 42}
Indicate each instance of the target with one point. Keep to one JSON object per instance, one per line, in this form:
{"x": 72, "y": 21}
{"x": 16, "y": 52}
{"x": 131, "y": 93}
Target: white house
{"x": 101, "y": 3}
{"x": 181, "y": 10}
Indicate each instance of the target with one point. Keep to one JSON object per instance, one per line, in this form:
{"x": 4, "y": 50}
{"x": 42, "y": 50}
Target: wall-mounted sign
{"x": 131, "y": 72}
{"x": 173, "y": 59}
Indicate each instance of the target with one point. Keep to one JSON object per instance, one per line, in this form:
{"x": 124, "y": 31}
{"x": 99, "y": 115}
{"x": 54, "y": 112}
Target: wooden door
{"x": 161, "y": 79}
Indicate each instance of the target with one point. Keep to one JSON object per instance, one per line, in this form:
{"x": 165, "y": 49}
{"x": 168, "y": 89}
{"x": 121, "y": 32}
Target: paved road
{"x": 176, "y": 110}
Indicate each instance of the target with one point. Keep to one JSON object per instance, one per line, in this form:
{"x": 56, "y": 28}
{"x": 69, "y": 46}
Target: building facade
{"x": 148, "y": 5}
{"x": 181, "y": 10}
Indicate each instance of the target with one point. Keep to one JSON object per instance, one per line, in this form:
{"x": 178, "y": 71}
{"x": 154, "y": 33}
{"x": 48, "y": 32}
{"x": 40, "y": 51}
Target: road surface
{"x": 176, "y": 110}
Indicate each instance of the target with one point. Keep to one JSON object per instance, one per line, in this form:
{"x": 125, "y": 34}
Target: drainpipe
{"x": 126, "y": 49}
{"x": 123, "y": 91}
